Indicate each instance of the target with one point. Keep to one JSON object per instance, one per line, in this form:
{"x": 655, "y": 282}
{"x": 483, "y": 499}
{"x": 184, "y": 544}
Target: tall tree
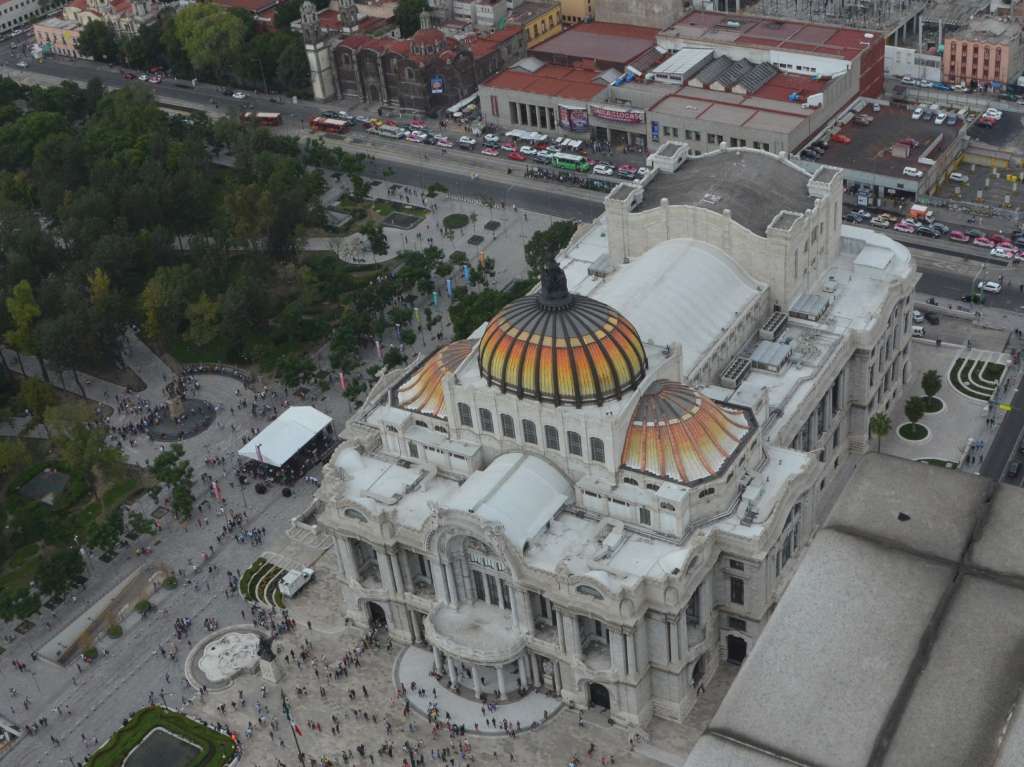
{"x": 211, "y": 36}
{"x": 879, "y": 426}
{"x": 931, "y": 384}
{"x": 545, "y": 244}
{"x": 98, "y": 41}
{"x": 24, "y": 311}
{"x": 914, "y": 409}
{"x": 407, "y": 14}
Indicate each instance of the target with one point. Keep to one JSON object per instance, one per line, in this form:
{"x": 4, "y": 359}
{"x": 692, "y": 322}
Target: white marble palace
{"x": 604, "y": 490}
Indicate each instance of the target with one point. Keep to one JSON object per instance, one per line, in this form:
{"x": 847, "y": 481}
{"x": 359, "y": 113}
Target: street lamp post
{"x": 291, "y": 726}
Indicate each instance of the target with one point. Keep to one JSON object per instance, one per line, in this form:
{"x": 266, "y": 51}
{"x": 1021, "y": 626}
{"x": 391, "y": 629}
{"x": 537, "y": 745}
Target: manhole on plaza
{"x": 161, "y": 749}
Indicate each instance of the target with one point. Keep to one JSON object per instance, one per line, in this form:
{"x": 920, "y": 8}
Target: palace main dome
{"x": 555, "y": 346}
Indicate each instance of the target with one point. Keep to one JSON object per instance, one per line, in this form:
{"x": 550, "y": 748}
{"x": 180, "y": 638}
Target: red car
{"x": 957, "y": 236}
{"x": 490, "y": 151}
{"x": 998, "y": 239}
{"x": 517, "y": 156}
{"x": 842, "y": 138}
{"x": 128, "y": 75}
{"x": 984, "y": 242}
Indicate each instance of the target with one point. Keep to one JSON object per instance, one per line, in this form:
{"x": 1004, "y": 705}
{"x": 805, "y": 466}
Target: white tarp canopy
{"x": 285, "y": 436}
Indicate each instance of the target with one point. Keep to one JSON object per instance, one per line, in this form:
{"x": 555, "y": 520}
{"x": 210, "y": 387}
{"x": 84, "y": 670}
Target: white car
{"x": 913, "y": 172}
{"x": 604, "y": 170}
{"x": 960, "y": 88}
{"x": 958, "y": 178}
{"x": 990, "y": 287}
{"x": 641, "y": 172}
{"x": 238, "y": 95}
{"x": 909, "y": 80}
{"x": 467, "y": 141}
{"x": 916, "y": 115}
{"x": 917, "y": 316}
{"x": 22, "y": 64}
{"x": 940, "y": 118}
{"x": 1001, "y": 251}
{"x": 528, "y": 150}
{"x": 416, "y": 136}
{"x": 993, "y": 112}
{"x": 143, "y": 77}
{"x": 491, "y": 138}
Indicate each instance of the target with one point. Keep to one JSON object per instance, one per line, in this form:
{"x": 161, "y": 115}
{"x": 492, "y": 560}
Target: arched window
{"x": 465, "y": 414}
{"x": 508, "y": 426}
{"x": 486, "y": 421}
{"x": 596, "y": 450}
{"x": 575, "y": 443}
{"x": 551, "y": 438}
{"x": 589, "y": 591}
{"x": 529, "y": 432}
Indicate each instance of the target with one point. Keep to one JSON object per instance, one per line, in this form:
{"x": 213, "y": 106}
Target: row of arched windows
{"x": 552, "y": 437}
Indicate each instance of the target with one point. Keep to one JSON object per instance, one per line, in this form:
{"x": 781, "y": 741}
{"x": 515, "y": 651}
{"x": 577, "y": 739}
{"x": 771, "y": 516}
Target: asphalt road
{"x": 1003, "y": 447}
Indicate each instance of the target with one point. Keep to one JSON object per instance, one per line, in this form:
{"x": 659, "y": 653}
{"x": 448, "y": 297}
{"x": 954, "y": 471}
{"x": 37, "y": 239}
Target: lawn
{"x": 455, "y": 221}
{"x": 216, "y": 749}
{"x": 259, "y": 583}
{"x": 975, "y": 378}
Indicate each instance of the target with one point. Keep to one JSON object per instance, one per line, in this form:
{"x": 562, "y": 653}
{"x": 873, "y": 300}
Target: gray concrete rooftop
{"x": 722, "y": 180}
{"x": 898, "y": 642}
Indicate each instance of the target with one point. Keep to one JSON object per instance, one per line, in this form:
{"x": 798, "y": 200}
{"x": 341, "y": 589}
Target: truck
{"x": 921, "y": 213}
{"x": 294, "y": 580}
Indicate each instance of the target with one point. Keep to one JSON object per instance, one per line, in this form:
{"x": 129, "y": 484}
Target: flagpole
{"x": 291, "y": 725}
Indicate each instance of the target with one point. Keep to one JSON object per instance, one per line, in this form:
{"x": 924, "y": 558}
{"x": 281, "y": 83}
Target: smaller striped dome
{"x": 423, "y": 391}
{"x": 678, "y": 434}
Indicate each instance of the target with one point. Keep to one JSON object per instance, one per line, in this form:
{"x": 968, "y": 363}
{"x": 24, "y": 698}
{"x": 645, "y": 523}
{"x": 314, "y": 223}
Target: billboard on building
{"x": 436, "y": 84}
{"x": 617, "y": 115}
{"x": 573, "y": 118}
{"x": 655, "y": 131}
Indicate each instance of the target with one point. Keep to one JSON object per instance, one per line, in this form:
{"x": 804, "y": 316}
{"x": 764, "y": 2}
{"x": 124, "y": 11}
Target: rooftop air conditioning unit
{"x": 734, "y": 373}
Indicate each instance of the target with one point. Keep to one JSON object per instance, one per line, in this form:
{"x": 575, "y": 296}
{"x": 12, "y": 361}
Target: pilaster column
{"x": 557, "y": 674}
{"x": 538, "y": 679}
{"x": 487, "y": 588}
{"x": 673, "y": 641}
{"x": 513, "y": 598}
{"x": 631, "y": 652}
{"x": 396, "y": 572}
{"x": 441, "y": 584}
{"x": 452, "y": 677}
{"x": 476, "y": 680}
{"x": 387, "y": 576}
{"x": 501, "y": 682}
{"x": 347, "y": 559}
{"x": 438, "y": 662}
{"x": 450, "y": 575}
{"x": 524, "y": 676}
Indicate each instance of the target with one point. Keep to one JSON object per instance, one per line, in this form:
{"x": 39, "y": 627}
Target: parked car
{"x": 466, "y": 142}
{"x": 626, "y": 171}
{"x": 543, "y": 156}
{"x": 913, "y": 172}
{"x": 984, "y": 242}
{"x": 932, "y": 318}
{"x": 529, "y": 151}
{"x": 917, "y": 114}
{"x": 882, "y": 222}
{"x": 1000, "y": 239}
{"x": 990, "y": 286}
{"x": 842, "y": 138}
{"x": 951, "y": 119}
{"x": 928, "y": 231}
{"x": 491, "y": 140}
{"x": 957, "y": 236}
{"x": 974, "y": 233}
{"x": 508, "y": 146}
{"x": 958, "y": 178}
{"x": 939, "y": 227}
{"x": 490, "y": 151}
{"x": 917, "y": 317}
{"x": 940, "y": 118}
{"x": 517, "y": 156}
{"x": 1000, "y": 251}
{"x": 903, "y": 226}
{"x": 604, "y": 170}
{"x": 238, "y": 95}
{"x": 444, "y": 142}
{"x": 1013, "y": 471}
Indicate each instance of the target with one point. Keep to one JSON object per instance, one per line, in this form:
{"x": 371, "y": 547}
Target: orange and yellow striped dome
{"x": 423, "y": 390}
{"x": 678, "y": 434}
{"x": 558, "y": 347}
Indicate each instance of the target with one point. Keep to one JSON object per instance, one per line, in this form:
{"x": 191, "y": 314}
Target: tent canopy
{"x": 285, "y": 436}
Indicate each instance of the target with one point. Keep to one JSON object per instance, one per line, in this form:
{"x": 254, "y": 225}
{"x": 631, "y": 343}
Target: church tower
{"x": 318, "y": 53}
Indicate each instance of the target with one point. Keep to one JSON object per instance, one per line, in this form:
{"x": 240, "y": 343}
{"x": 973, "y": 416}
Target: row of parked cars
{"x": 999, "y": 245}
{"x": 933, "y": 113}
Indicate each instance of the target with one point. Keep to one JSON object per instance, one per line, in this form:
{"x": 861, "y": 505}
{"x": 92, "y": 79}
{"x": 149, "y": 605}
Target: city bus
{"x": 262, "y": 118}
{"x": 570, "y": 162}
{"x": 328, "y": 125}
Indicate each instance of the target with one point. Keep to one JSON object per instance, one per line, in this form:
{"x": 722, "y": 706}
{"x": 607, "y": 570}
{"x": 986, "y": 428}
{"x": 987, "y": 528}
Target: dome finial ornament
{"x": 554, "y": 288}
